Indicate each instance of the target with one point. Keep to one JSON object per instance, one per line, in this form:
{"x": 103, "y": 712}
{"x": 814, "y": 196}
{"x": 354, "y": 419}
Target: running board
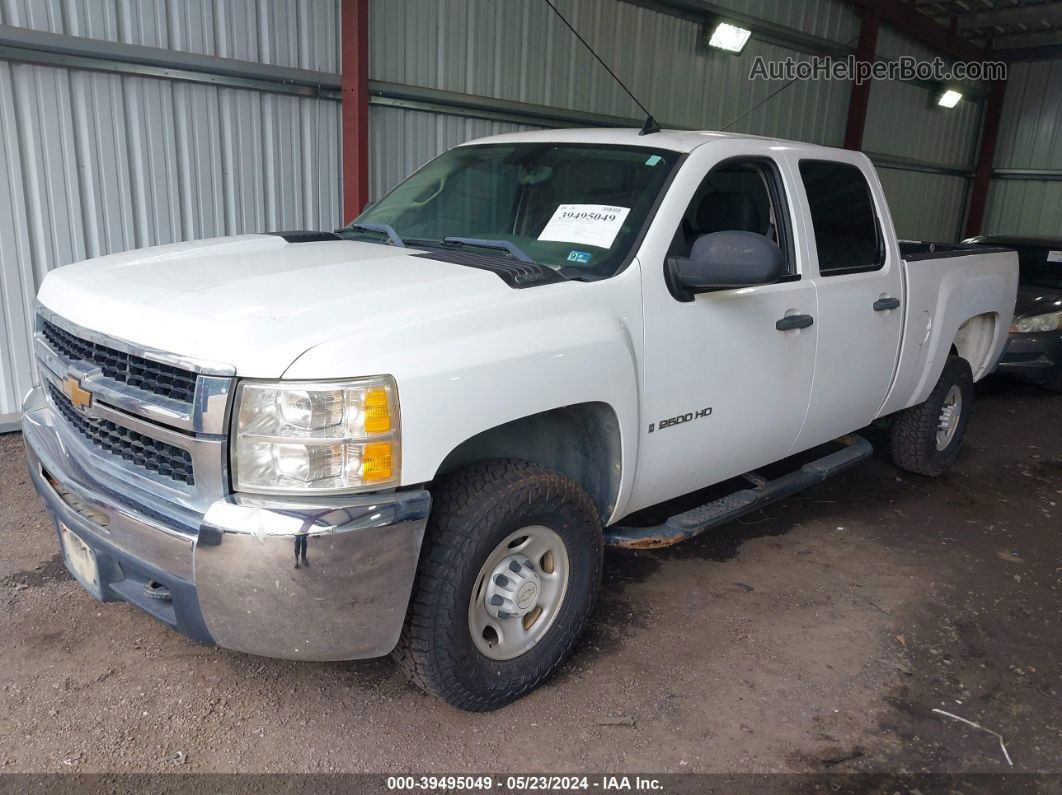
{"x": 712, "y": 514}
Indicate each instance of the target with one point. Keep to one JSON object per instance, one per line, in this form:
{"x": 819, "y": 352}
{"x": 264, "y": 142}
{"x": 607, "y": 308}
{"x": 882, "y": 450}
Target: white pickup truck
{"x": 417, "y": 433}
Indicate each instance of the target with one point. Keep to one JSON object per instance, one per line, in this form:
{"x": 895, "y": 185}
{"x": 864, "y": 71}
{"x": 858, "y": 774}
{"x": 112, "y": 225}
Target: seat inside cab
{"x": 732, "y": 197}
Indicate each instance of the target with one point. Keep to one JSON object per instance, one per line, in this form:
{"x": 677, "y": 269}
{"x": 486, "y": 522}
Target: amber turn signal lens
{"x": 376, "y": 462}
{"x": 377, "y": 411}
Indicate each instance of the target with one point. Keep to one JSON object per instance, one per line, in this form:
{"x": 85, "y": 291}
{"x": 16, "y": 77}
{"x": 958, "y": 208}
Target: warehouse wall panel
{"x": 1030, "y": 138}
{"x": 1030, "y": 131}
{"x": 96, "y": 163}
{"x": 518, "y": 50}
{"x": 925, "y": 206}
{"x": 904, "y": 120}
{"x": 835, "y": 20}
{"x": 302, "y": 34}
{"x": 401, "y": 141}
{"x": 1024, "y": 207}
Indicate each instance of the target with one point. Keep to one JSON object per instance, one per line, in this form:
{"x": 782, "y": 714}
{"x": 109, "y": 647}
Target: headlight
{"x": 319, "y": 437}
{"x": 1030, "y": 325}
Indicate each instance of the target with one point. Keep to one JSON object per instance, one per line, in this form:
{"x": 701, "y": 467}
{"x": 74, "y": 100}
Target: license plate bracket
{"x": 81, "y": 561}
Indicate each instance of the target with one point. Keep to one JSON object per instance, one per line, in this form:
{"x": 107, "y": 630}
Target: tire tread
{"x": 479, "y": 494}
{"x": 912, "y": 440}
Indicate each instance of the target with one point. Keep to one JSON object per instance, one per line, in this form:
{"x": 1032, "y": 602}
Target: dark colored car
{"x": 1034, "y": 350}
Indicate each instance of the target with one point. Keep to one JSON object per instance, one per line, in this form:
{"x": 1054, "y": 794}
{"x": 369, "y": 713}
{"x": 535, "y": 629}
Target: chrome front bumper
{"x": 230, "y": 573}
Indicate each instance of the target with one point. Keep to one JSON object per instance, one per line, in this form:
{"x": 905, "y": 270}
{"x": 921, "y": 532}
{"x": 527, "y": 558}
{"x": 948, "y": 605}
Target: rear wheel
{"x": 507, "y": 580}
{"x": 926, "y": 438}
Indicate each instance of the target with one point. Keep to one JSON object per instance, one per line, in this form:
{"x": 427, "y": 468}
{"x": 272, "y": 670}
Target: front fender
{"x": 464, "y": 374}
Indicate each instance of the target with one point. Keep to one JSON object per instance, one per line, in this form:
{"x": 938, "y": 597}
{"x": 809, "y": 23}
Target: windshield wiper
{"x": 497, "y": 245}
{"x": 382, "y": 229}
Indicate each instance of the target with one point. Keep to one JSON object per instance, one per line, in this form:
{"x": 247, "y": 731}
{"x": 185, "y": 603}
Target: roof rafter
{"x": 1050, "y": 13}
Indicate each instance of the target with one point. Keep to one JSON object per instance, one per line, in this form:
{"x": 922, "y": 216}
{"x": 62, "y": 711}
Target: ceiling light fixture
{"x": 731, "y": 38}
{"x": 950, "y": 98}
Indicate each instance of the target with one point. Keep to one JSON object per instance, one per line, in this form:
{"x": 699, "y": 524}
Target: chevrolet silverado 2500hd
{"x": 415, "y": 434}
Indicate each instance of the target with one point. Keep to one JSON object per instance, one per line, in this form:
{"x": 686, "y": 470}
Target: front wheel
{"x": 926, "y": 438}
{"x": 506, "y": 583}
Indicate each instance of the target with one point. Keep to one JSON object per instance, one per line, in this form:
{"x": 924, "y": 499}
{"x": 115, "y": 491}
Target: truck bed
{"x": 965, "y": 299}
{"x": 918, "y": 250}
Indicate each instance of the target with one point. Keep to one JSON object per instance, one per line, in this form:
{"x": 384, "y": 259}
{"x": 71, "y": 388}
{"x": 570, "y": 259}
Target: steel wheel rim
{"x": 950, "y": 412}
{"x": 523, "y": 623}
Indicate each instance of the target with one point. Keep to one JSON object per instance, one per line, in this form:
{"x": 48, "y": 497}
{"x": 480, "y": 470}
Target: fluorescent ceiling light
{"x": 950, "y": 98}
{"x": 729, "y": 37}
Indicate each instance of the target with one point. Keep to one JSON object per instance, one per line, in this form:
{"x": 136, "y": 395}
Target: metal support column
{"x": 986, "y": 155}
{"x": 859, "y": 98}
{"x": 355, "y": 91}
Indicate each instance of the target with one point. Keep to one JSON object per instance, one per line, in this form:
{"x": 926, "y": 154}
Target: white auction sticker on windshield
{"x": 589, "y": 224}
{"x": 1054, "y": 256}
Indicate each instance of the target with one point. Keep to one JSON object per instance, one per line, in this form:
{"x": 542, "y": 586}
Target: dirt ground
{"x": 816, "y": 635}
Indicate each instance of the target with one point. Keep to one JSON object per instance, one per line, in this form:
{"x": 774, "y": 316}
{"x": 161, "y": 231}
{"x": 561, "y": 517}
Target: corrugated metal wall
{"x": 925, "y": 206}
{"x": 401, "y": 141}
{"x": 302, "y": 34}
{"x": 1024, "y": 207}
{"x": 94, "y": 163}
{"x": 1030, "y": 139}
{"x": 824, "y": 18}
{"x": 904, "y": 121}
{"x": 518, "y": 50}
{"x": 1030, "y": 134}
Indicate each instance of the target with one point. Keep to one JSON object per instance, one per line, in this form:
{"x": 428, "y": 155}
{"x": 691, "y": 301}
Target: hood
{"x": 257, "y": 302}
{"x": 1034, "y": 300}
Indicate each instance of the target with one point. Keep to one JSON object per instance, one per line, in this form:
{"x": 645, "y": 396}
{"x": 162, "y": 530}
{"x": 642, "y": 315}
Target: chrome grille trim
{"x": 134, "y": 372}
{"x": 152, "y": 455}
{"x": 207, "y": 413}
{"x": 134, "y": 418}
{"x": 199, "y": 366}
{"x": 209, "y": 455}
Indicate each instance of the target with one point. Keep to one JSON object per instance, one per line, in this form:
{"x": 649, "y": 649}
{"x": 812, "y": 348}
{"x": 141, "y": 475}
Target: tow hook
{"x": 156, "y": 590}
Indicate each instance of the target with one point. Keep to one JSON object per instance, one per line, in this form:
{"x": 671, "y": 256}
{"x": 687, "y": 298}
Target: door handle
{"x": 886, "y": 303}
{"x": 790, "y": 322}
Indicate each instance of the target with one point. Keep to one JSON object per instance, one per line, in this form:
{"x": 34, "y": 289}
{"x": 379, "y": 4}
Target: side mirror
{"x": 725, "y": 260}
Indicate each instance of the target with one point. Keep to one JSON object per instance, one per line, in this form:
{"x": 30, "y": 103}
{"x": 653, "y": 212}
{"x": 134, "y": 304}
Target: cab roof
{"x": 674, "y": 140}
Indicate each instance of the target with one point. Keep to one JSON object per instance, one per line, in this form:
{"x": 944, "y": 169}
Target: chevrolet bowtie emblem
{"x": 78, "y": 395}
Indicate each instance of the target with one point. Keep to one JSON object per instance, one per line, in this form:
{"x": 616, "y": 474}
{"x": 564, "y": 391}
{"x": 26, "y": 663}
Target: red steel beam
{"x": 859, "y": 97}
{"x": 354, "y": 26}
{"x": 923, "y": 27}
{"x": 986, "y": 155}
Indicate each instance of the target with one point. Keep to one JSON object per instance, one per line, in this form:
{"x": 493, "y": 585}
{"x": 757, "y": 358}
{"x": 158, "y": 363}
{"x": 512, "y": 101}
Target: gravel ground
{"x": 828, "y": 626}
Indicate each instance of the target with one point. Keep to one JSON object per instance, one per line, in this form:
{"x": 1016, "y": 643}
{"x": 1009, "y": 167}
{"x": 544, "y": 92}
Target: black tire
{"x": 913, "y": 438}
{"x": 473, "y": 511}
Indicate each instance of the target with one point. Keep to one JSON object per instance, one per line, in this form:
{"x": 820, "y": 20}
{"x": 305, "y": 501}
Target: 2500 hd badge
{"x": 679, "y": 420}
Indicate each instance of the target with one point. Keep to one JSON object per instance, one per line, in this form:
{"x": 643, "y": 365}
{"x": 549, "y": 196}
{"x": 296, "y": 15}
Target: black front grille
{"x": 153, "y": 377}
{"x": 142, "y": 451}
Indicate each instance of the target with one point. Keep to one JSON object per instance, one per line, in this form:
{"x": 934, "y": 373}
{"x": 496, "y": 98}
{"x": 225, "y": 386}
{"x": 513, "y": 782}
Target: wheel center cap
{"x": 513, "y": 588}
{"x": 527, "y": 596}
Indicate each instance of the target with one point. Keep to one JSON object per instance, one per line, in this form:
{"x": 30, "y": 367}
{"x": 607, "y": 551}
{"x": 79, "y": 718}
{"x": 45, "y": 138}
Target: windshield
{"x": 1040, "y": 267}
{"x": 579, "y": 208}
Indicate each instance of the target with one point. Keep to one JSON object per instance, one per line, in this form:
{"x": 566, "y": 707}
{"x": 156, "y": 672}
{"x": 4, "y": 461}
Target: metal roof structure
{"x": 1017, "y": 28}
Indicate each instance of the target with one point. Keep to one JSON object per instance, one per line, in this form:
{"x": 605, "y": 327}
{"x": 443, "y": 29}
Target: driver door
{"x": 725, "y": 389}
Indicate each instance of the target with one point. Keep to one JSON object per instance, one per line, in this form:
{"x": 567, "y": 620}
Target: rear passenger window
{"x": 847, "y": 234}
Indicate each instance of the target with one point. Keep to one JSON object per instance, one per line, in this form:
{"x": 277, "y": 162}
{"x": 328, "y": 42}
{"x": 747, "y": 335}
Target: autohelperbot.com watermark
{"x": 821, "y": 67}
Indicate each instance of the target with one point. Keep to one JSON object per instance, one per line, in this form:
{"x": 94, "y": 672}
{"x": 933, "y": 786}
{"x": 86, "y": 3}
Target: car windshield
{"x": 1038, "y": 269}
{"x": 578, "y": 208}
